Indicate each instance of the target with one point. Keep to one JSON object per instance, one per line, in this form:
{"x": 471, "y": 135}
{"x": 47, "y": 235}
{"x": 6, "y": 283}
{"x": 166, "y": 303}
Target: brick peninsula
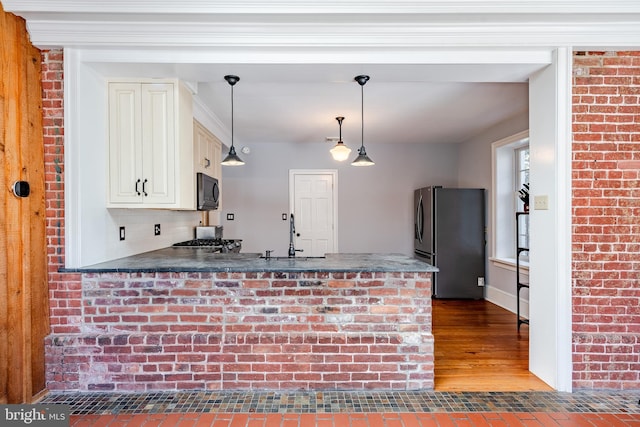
{"x": 188, "y": 319}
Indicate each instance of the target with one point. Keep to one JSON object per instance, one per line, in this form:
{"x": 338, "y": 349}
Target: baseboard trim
{"x": 506, "y": 301}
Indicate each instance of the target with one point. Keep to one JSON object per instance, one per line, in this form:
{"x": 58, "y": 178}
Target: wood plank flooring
{"x": 478, "y": 348}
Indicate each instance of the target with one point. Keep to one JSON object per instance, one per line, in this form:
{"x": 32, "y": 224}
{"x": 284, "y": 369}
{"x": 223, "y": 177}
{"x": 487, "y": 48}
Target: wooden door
{"x": 24, "y": 311}
{"x": 314, "y": 212}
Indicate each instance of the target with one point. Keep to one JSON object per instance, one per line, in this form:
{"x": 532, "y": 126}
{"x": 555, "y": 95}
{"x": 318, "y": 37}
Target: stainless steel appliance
{"x": 209, "y": 232}
{"x": 449, "y": 233}
{"x": 208, "y": 192}
{"x": 216, "y": 245}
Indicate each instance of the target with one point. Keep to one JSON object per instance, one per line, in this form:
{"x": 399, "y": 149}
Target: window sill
{"x": 509, "y": 264}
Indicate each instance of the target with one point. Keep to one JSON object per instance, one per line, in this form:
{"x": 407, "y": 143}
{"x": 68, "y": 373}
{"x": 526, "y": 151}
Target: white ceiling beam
{"x": 244, "y": 7}
{"x": 204, "y": 35}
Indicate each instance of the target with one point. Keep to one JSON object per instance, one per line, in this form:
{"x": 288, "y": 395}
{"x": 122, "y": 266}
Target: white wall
{"x": 475, "y": 171}
{"x": 550, "y": 352}
{"x": 92, "y": 230}
{"x": 375, "y": 204}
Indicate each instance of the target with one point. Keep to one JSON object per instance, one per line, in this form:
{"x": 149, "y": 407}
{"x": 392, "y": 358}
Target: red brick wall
{"x": 64, "y": 289}
{"x": 606, "y": 220}
{"x": 235, "y": 331}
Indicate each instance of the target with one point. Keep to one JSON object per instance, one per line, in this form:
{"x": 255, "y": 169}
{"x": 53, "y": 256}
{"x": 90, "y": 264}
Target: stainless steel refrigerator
{"x": 449, "y": 233}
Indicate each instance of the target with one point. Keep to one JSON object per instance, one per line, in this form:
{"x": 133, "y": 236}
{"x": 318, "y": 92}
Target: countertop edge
{"x": 199, "y": 262}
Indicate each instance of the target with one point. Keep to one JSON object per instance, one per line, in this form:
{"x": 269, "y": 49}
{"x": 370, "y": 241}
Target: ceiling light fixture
{"x": 340, "y": 152}
{"x": 362, "y": 159}
{"x": 232, "y": 158}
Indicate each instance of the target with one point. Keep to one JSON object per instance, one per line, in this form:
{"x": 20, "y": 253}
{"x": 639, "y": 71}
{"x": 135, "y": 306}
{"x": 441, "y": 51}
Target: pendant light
{"x": 232, "y": 158}
{"x": 362, "y": 159}
{"x": 340, "y": 152}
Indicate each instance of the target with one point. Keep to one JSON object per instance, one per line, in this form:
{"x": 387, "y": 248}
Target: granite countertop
{"x": 176, "y": 259}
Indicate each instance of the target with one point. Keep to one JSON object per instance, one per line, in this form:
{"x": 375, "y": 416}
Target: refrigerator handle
{"x": 419, "y": 220}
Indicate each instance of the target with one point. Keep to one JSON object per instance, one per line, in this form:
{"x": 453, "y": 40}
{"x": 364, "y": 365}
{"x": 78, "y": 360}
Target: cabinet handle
{"x": 137, "y": 183}
{"x": 207, "y": 162}
{"x": 143, "y": 189}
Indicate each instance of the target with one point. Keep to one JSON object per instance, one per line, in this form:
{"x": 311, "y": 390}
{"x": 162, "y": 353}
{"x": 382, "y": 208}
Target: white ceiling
{"x": 402, "y": 103}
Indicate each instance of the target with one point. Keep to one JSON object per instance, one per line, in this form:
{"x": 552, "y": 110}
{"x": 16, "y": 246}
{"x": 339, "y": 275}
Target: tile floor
{"x": 351, "y": 409}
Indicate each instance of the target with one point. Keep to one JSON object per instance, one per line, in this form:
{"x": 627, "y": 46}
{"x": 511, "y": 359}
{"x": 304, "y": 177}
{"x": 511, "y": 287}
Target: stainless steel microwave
{"x": 208, "y": 192}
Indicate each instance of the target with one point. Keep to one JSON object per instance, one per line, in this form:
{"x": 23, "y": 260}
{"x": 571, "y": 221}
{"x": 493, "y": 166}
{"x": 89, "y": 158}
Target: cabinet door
{"x": 125, "y": 143}
{"x": 203, "y": 148}
{"x": 216, "y": 157}
{"x": 158, "y": 143}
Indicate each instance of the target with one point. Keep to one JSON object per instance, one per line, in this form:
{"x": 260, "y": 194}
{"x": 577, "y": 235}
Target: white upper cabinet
{"x": 151, "y": 145}
{"x": 208, "y": 151}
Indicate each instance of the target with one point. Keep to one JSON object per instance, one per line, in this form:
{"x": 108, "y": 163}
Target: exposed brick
{"x": 605, "y": 253}
{"x": 257, "y": 352}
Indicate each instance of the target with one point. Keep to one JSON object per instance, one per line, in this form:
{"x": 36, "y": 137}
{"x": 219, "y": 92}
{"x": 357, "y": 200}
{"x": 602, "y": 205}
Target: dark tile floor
{"x": 346, "y": 402}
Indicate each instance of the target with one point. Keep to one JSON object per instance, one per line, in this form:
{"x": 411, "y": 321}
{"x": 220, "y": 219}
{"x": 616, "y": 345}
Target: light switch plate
{"x": 541, "y": 202}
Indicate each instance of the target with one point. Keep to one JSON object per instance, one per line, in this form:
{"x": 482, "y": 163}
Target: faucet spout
{"x": 292, "y": 231}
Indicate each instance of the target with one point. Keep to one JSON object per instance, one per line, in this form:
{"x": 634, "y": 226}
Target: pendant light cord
{"x": 232, "y": 115}
{"x": 362, "y": 115}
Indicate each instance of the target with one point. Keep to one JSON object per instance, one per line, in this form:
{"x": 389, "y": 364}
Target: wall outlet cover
{"x": 541, "y": 202}
{"x": 156, "y": 230}
{"x": 121, "y": 231}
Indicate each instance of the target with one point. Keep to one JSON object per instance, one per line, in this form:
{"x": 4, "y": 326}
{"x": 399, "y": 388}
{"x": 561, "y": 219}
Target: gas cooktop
{"x": 221, "y": 245}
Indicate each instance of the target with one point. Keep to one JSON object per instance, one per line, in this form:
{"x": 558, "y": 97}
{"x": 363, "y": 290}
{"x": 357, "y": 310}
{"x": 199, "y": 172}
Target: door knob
{"x": 21, "y": 188}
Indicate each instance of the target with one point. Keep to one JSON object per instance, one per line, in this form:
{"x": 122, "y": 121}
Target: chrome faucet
{"x": 292, "y": 230}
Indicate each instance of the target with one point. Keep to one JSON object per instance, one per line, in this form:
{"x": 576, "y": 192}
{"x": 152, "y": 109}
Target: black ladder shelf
{"x": 519, "y": 283}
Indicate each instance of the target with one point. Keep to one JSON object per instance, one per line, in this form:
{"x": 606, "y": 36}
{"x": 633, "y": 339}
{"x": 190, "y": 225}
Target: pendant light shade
{"x": 232, "y": 158}
{"x": 340, "y": 152}
{"x": 362, "y": 159}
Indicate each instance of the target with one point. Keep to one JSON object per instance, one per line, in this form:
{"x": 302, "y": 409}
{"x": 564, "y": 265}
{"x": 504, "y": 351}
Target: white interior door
{"x": 313, "y": 204}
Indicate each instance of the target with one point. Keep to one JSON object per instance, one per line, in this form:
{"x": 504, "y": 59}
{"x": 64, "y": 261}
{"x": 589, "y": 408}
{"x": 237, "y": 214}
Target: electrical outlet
{"x": 284, "y": 216}
{"x": 230, "y": 217}
{"x": 481, "y": 281}
{"x": 121, "y": 233}
{"x": 156, "y": 230}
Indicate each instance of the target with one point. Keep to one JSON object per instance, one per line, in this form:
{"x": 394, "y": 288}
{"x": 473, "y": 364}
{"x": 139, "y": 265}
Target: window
{"x": 510, "y": 171}
{"x": 521, "y": 160}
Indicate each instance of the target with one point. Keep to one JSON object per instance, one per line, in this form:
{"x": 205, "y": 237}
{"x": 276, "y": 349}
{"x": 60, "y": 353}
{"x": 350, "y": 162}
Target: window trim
{"x": 503, "y": 162}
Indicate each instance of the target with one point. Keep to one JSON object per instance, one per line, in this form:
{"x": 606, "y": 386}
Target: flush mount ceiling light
{"x": 340, "y": 152}
{"x": 232, "y": 158}
{"x": 362, "y": 159}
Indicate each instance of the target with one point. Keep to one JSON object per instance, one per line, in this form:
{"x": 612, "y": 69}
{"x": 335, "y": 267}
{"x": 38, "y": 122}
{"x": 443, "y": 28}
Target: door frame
{"x": 334, "y": 195}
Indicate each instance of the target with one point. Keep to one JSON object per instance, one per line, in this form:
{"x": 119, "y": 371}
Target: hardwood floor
{"x": 478, "y": 348}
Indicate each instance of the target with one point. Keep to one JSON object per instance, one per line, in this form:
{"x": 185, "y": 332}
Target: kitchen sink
{"x": 285, "y": 258}
{"x": 235, "y": 255}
